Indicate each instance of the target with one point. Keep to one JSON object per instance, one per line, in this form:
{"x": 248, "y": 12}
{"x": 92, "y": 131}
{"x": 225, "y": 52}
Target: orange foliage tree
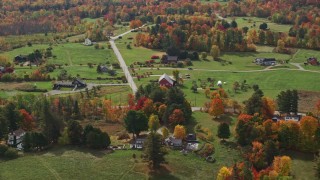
{"x": 308, "y": 128}
{"x": 216, "y": 107}
{"x": 268, "y": 107}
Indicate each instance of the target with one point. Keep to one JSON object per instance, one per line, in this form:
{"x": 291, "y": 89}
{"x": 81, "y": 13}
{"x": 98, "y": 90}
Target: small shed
{"x": 191, "y": 138}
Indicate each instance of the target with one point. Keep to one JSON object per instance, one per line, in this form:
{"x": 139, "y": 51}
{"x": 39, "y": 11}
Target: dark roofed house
{"x": 20, "y": 58}
{"x": 76, "y": 83}
{"x": 165, "y": 80}
{"x": 166, "y": 59}
{"x": 173, "y": 142}
{"x": 191, "y": 138}
{"x": 265, "y": 61}
{"x": 295, "y": 118}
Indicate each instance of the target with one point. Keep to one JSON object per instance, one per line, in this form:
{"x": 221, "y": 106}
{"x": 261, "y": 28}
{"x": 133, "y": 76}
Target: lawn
{"x": 249, "y": 22}
{"x": 270, "y": 82}
{"x": 69, "y": 53}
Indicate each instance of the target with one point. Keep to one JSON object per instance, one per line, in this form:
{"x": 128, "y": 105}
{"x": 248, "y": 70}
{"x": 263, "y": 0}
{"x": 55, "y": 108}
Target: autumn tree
{"x": 271, "y": 150}
{"x": 148, "y": 107}
{"x": 216, "y": 107}
{"x": 136, "y": 121}
{"x": 176, "y": 117}
{"x": 154, "y": 150}
{"x": 179, "y": 132}
{"x": 27, "y": 120}
{"x": 268, "y": 108}
{"x": 215, "y": 52}
{"x": 257, "y": 156}
{"x": 282, "y": 165}
{"x": 224, "y": 174}
{"x": 223, "y": 131}
{"x": 165, "y": 132}
{"x": 308, "y": 127}
{"x": 153, "y": 123}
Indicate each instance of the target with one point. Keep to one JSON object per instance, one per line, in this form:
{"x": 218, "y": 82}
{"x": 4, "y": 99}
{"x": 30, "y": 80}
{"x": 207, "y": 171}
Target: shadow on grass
{"x": 229, "y": 144}
{"x": 299, "y": 155}
{"x": 60, "y": 150}
{"x": 161, "y": 173}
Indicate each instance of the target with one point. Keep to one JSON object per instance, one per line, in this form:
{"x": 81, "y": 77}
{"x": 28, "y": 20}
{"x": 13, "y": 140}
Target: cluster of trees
{"x": 51, "y": 117}
{"x": 199, "y": 33}
{"x": 303, "y": 135}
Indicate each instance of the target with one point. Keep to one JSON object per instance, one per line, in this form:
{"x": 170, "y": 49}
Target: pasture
{"x": 271, "y": 82}
{"x": 250, "y": 21}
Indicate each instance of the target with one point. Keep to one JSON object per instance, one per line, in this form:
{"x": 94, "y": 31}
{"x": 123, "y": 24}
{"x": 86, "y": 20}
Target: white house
{"x": 15, "y": 138}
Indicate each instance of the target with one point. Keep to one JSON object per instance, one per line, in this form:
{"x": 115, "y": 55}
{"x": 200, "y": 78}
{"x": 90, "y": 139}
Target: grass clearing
{"x": 250, "y": 21}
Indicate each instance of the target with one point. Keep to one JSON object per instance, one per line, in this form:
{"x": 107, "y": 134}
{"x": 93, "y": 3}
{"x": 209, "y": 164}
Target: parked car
{"x": 190, "y": 68}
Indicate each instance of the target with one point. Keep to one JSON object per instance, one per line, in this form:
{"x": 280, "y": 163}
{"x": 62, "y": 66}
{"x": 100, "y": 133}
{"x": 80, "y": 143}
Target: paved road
{"x": 122, "y": 62}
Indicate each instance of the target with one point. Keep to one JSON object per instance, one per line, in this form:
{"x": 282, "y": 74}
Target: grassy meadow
{"x": 270, "y": 82}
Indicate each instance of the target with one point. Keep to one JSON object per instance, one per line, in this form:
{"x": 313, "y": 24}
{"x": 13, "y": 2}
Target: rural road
{"x": 122, "y": 62}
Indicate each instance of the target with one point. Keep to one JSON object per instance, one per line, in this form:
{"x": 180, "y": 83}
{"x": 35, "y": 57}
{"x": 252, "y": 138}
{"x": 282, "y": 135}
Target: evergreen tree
{"x": 75, "y": 132}
{"x": 254, "y": 103}
{"x": 288, "y": 101}
{"x": 3, "y": 125}
{"x": 223, "y": 131}
{"x": 154, "y": 151}
{"x": 13, "y": 116}
{"x": 27, "y": 142}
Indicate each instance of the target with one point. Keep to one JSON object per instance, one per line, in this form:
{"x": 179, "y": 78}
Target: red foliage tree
{"x": 176, "y": 117}
{"x": 27, "y": 122}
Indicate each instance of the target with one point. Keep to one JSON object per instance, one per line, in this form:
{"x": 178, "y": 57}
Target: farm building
{"x": 265, "y": 61}
{"x": 165, "y": 80}
{"x": 76, "y": 83}
{"x": 15, "y": 138}
{"x": 313, "y": 61}
{"x": 166, "y": 59}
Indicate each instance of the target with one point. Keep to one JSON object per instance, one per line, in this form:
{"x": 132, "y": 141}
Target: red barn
{"x": 165, "y": 80}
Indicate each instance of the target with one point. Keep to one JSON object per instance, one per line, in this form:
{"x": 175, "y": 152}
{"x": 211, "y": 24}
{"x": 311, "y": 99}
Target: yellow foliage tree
{"x": 165, "y": 132}
{"x": 179, "y": 132}
{"x": 282, "y": 165}
{"x": 224, "y": 173}
{"x": 153, "y": 123}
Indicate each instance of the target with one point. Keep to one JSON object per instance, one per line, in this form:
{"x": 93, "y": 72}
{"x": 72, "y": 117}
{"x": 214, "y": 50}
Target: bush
{"x": 207, "y": 150}
{"x": 11, "y": 153}
{"x": 3, "y": 149}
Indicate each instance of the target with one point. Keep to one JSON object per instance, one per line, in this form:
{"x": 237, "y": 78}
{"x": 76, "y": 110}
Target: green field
{"x": 70, "y": 53}
{"x": 249, "y": 22}
{"x": 270, "y": 82}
